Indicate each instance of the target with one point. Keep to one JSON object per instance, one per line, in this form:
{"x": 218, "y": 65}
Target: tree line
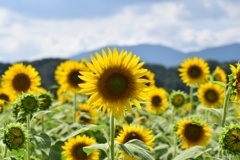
{"x": 166, "y": 77}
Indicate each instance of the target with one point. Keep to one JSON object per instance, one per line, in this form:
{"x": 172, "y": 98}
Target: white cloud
{"x": 24, "y": 38}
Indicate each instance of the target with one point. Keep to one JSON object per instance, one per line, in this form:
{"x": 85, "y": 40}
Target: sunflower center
{"x": 131, "y": 136}
{"x": 156, "y": 101}
{"x": 78, "y": 152}
{"x": 115, "y": 83}
{"x": 211, "y": 96}
{"x": 178, "y": 100}
{"x": 21, "y": 82}
{"x": 4, "y": 97}
{"x": 193, "y": 132}
{"x": 194, "y": 72}
{"x": 73, "y": 78}
{"x": 15, "y": 137}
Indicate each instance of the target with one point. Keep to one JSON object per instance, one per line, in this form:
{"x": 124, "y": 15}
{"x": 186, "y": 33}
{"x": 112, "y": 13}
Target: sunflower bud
{"x": 46, "y": 100}
{"x": 14, "y": 136}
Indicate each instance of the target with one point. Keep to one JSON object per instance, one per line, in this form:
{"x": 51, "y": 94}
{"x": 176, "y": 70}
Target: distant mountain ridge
{"x": 158, "y": 54}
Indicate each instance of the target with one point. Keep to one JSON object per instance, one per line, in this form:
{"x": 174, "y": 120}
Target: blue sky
{"x": 34, "y": 29}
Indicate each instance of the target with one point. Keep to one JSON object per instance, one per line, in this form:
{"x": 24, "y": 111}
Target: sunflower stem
{"x": 29, "y": 136}
{"x": 5, "y": 152}
{"x": 112, "y": 135}
{"x": 191, "y": 99}
{"x": 173, "y": 134}
{"x": 225, "y": 107}
{"x": 42, "y": 123}
{"x": 74, "y": 105}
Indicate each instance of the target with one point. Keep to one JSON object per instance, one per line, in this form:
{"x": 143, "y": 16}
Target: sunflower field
{"x": 109, "y": 108}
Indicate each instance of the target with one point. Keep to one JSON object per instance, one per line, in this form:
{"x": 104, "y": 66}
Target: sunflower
{"x": 59, "y": 71}
{"x": 86, "y": 114}
{"x": 219, "y": 75}
{"x": 234, "y": 81}
{"x": 69, "y": 79}
{"x": 6, "y": 97}
{"x": 158, "y": 98}
{"x": 229, "y": 139}
{"x": 114, "y": 81}
{"x": 178, "y": 99}
{"x": 73, "y": 148}
{"x": 46, "y": 99}
{"x": 134, "y": 132}
{"x": 149, "y": 76}
{"x": 194, "y": 71}
{"x": 20, "y": 78}
{"x": 14, "y": 136}
{"x": 193, "y": 133}
{"x": 211, "y": 95}
{"x": 63, "y": 96}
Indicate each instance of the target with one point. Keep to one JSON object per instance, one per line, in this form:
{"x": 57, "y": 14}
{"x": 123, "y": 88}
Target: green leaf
{"x": 84, "y": 129}
{"x": 40, "y": 113}
{"x": 42, "y": 140}
{"x": 219, "y": 83}
{"x": 89, "y": 149}
{"x": 193, "y": 152}
{"x": 137, "y": 149}
{"x": 56, "y": 151}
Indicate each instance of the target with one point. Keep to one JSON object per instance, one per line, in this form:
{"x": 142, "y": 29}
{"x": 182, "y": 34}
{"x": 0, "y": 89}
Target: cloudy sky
{"x": 34, "y": 29}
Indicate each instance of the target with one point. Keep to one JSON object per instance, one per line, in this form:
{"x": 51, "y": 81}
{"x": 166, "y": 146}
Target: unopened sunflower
{"x": 219, "y": 75}
{"x": 114, "y": 81}
{"x": 193, "y": 133}
{"x": 158, "y": 100}
{"x": 14, "y": 136}
{"x": 134, "y": 132}
{"x": 73, "y": 148}
{"x": 20, "y": 78}
{"x": 234, "y": 81}
{"x": 46, "y": 99}
{"x": 194, "y": 71}
{"x": 211, "y": 95}
{"x": 229, "y": 139}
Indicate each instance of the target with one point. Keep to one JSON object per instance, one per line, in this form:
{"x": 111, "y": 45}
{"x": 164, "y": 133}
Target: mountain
{"x": 158, "y": 54}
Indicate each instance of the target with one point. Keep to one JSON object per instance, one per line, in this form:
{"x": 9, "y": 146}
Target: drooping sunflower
{"x": 69, "y": 79}
{"x": 234, "y": 81}
{"x": 193, "y": 133}
{"x": 211, "y": 95}
{"x": 73, "y": 148}
{"x": 46, "y": 99}
{"x": 194, "y": 71}
{"x": 219, "y": 75}
{"x": 229, "y": 139}
{"x": 149, "y": 75}
{"x": 20, "y": 78}
{"x": 178, "y": 99}
{"x": 114, "y": 81}
{"x": 14, "y": 136}
{"x": 87, "y": 114}
{"x": 158, "y": 98}
{"x": 130, "y": 132}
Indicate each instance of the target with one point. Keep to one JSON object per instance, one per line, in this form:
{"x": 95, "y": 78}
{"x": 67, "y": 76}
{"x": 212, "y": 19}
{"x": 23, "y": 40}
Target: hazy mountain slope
{"x": 158, "y": 54}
